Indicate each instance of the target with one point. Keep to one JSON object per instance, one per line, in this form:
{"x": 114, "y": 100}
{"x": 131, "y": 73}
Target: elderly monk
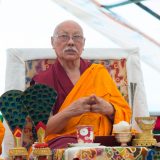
{"x": 2, "y": 131}
{"x": 87, "y": 94}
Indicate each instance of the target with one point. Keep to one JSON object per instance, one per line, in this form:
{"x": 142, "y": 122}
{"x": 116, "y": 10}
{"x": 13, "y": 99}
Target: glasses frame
{"x": 65, "y": 37}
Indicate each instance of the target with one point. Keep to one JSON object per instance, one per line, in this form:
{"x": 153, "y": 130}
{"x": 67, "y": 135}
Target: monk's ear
{"x": 52, "y": 41}
{"x": 84, "y": 40}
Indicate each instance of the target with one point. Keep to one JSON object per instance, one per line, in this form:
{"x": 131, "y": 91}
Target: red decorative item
{"x": 40, "y": 128}
{"x": 85, "y": 134}
{"x": 17, "y": 132}
{"x": 41, "y": 150}
{"x": 157, "y": 125}
{"x": 40, "y": 125}
{"x": 41, "y": 145}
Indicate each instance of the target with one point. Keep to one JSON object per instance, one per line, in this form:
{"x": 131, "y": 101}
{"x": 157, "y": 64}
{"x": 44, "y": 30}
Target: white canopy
{"x": 29, "y": 24}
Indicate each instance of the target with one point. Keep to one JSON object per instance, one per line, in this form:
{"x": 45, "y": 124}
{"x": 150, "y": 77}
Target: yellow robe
{"x": 95, "y": 80}
{"x": 2, "y": 131}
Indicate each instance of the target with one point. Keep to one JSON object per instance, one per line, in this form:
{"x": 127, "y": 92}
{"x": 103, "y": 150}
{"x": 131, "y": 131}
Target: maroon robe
{"x": 57, "y": 78}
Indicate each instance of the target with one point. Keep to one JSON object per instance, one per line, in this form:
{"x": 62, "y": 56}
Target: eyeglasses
{"x": 65, "y": 38}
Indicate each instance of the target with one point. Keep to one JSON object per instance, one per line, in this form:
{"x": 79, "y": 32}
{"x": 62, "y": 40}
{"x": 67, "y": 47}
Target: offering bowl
{"x": 123, "y": 137}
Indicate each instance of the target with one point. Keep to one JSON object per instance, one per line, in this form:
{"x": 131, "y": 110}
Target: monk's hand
{"x": 78, "y": 107}
{"x": 99, "y": 105}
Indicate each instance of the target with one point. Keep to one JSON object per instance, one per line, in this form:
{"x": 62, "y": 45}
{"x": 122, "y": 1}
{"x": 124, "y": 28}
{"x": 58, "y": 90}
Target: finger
{"x": 94, "y": 108}
{"x": 97, "y": 108}
{"x": 92, "y": 99}
{"x": 95, "y": 99}
{"x": 86, "y": 100}
{"x": 87, "y": 108}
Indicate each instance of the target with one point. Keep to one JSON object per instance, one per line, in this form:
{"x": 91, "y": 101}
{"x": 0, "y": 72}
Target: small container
{"x": 123, "y": 137}
{"x": 85, "y": 134}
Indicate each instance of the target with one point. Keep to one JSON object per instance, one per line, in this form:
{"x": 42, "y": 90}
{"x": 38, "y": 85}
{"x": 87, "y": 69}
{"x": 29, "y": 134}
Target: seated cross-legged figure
{"x": 87, "y": 94}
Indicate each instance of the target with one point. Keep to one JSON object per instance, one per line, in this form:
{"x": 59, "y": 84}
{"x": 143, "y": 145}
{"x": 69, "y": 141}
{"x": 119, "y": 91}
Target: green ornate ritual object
{"x": 15, "y": 114}
{"x": 13, "y": 109}
{"x": 36, "y": 102}
{"x": 39, "y": 100}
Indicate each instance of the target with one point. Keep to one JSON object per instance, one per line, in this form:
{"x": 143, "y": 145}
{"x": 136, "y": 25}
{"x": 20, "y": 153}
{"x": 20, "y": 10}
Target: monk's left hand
{"x": 99, "y": 105}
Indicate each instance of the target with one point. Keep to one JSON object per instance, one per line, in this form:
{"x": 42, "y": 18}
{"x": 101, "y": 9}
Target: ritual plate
{"x": 83, "y": 144}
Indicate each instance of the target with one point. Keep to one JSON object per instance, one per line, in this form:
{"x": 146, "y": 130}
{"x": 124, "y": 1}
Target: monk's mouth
{"x": 70, "y": 50}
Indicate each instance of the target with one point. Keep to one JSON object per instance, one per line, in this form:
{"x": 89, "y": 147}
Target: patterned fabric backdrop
{"x": 116, "y": 68}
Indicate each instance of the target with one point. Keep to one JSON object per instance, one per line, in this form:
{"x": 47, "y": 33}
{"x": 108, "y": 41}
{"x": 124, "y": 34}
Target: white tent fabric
{"x": 88, "y": 12}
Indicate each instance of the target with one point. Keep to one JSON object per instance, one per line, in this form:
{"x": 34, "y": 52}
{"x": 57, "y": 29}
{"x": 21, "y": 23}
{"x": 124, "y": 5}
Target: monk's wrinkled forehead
{"x": 69, "y": 27}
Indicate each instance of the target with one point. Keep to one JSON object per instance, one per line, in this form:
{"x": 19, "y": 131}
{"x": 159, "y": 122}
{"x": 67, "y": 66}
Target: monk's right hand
{"x": 58, "y": 122}
{"x": 78, "y": 107}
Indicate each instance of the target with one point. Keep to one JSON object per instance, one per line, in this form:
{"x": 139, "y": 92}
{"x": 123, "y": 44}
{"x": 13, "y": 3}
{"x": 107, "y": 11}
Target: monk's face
{"x": 68, "y": 41}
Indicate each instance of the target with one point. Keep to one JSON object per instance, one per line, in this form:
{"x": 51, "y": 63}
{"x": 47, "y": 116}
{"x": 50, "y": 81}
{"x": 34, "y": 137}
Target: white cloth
{"x": 70, "y": 153}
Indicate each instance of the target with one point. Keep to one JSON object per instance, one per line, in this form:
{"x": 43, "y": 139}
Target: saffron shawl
{"x": 56, "y": 77}
{"x": 95, "y": 80}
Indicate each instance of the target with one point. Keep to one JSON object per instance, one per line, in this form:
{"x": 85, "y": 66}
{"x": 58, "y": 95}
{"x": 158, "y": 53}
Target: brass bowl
{"x": 146, "y": 123}
{"x": 123, "y": 137}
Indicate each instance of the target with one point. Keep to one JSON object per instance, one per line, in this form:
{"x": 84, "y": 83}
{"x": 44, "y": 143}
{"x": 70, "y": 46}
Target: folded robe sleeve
{"x": 113, "y": 95}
